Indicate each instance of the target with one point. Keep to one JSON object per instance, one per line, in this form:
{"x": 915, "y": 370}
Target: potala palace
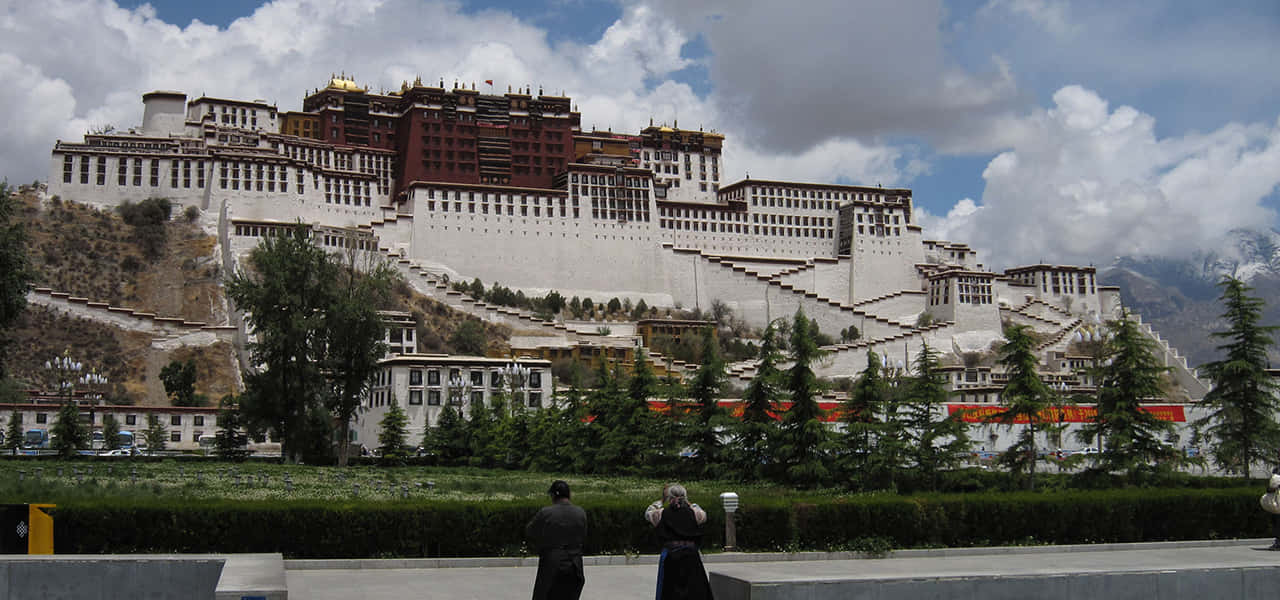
{"x": 454, "y": 184}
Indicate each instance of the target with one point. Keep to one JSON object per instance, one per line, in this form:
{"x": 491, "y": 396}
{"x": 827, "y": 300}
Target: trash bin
{"x": 26, "y": 529}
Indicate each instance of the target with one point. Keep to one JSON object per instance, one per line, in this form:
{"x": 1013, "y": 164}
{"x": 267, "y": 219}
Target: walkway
{"x": 1159, "y": 571}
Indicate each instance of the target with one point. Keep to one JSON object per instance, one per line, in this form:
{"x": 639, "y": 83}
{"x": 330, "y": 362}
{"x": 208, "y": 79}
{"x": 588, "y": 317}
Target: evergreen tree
{"x": 482, "y": 433}
{"x": 285, "y": 297}
{"x": 758, "y": 428}
{"x": 448, "y": 439}
{"x": 1025, "y": 397}
{"x": 936, "y": 444}
{"x": 393, "y": 432}
{"x": 704, "y": 392}
{"x": 469, "y": 338}
{"x": 626, "y": 425}
{"x": 16, "y": 272}
{"x": 69, "y": 434}
{"x": 862, "y": 423}
{"x": 156, "y": 434}
{"x": 230, "y": 441}
{"x": 805, "y": 437}
{"x": 1243, "y": 402}
{"x": 13, "y": 433}
{"x": 110, "y": 432}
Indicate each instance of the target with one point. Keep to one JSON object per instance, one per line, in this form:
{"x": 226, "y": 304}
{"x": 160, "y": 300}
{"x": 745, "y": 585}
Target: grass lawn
{"x": 79, "y": 480}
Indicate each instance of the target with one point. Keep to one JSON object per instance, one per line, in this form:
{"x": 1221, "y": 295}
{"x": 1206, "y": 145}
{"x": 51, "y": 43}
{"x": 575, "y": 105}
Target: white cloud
{"x": 1051, "y": 15}
{"x": 1085, "y": 183}
{"x": 104, "y": 57}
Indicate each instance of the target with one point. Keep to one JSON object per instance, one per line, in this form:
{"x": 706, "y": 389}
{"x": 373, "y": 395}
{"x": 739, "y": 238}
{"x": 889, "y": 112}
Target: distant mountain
{"x": 1179, "y": 297}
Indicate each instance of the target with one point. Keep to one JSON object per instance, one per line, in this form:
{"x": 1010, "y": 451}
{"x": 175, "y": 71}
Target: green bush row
{"x": 442, "y": 529}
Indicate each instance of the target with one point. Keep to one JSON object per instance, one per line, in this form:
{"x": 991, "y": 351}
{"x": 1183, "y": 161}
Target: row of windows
{"x": 636, "y": 182}
{"x": 475, "y": 377}
{"x": 879, "y": 230}
{"x": 180, "y": 171}
{"x": 1064, "y": 283}
{"x": 262, "y": 177}
{"x": 90, "y": 417}
{"x": 797, "y": 232}
{"x": 346, "y": 191}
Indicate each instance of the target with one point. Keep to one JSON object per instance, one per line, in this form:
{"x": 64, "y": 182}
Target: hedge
{"x": 444, "y": 529}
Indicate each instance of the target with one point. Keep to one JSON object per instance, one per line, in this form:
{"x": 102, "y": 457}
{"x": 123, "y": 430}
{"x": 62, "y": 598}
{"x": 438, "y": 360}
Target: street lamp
{"x": 730, "y": 501}
{"x": 62, "y": 371}
{"x": 515, "y": 376}
{"x": 458, "y": 390}
{"x": 96, "y": 382}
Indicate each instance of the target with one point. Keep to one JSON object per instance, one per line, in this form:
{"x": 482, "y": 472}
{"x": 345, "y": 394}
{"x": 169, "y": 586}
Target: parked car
{"x": 118, "y": 452}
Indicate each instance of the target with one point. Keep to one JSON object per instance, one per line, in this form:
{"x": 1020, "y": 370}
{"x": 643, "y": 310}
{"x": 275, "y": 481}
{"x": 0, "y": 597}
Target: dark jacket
{"x": 682, "y": 576}
{"x": 557, "y": 531}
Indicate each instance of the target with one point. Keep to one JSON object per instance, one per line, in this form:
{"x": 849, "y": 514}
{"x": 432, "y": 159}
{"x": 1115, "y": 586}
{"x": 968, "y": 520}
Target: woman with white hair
{"x": 679, "y": 525}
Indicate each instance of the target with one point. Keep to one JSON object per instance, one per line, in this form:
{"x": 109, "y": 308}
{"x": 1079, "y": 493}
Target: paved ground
{"x": 636, "y": 581}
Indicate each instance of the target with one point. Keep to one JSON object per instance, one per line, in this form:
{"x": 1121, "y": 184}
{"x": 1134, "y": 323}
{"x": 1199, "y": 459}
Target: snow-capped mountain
{"x": 1179, "y": 297}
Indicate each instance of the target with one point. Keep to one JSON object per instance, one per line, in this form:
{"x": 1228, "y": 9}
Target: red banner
{"x": 981, "y": 413}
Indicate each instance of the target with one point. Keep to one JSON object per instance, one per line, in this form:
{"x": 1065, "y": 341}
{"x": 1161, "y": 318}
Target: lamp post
{"x": 95, "y": 382}
{"x": 459, "y": 388}
{"x": 62, "y": 372}
{"x": 730, "y": 501}
{"x": 515, "y": 376}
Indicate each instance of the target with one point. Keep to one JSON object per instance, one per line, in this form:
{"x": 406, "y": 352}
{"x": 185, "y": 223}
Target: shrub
{"x": 191, "y": 213}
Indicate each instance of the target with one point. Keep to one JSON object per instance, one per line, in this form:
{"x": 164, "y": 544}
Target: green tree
{"x": 447, "y": 441}
{"x": 1025, "y": 397}
{"x": 805, "y": 438}
{"x": 554, "y": 302}
{"x": 148, "y": 219}
{"x": 758, "y": 429}
{"x": 110, "y": 432}
{"x": 469, "y": 338}
{"x": 393, "y": 432}
{"x": 625, "y": 425}
{"x": 156, "y": 434}
{"x": 1131, "y": 374}
{"x": 16, "y": 272}
{"x": 179, "y": 380}
{"x": 1243, "y": 403}
{"x": 482, "y": 434}
{"x": 704, "y": 392}
{"x": 69, "y": 434}
{"x": 862, "y": 424}
{"x": 639, "y": 311}
{"x": 614, "y": 306}
{"x": 285, "y": 296}
{"x": 13, "y": 433}
{"x": 937, "y": 444}
{"x": 355, "y": 333}
{"x": 231, "y": 440}
{"x": 575, "y": 307}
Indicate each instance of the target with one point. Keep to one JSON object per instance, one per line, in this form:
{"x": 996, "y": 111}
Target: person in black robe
{"x": 681, "y": 575}
{"x": 558, "y": 532}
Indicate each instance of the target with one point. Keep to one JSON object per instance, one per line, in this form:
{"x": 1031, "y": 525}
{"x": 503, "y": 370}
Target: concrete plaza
{"x": 1216, "y": 569}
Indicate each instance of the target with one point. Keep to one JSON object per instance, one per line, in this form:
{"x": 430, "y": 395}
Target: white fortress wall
{"x": 528, "y": 250}
{"x": 900, "y": 306}
{"x": 885, "y": 264}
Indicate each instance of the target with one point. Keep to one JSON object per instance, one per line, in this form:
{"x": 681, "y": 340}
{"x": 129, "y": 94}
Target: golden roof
{"x": 347, "y": 85}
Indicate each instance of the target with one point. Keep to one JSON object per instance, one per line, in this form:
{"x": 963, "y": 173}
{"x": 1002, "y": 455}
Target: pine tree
{"x": 704, "y": 392}
{"x": 13, "y": 433}
{"x": 448, "y": 439}
{"x": 805, "y": 437}
{"x": 482, "y": 432}
{"x": 936, "y": 444}
{"x": 110, "y": 432}
{"x": 393, "y": 432}
{"x": 1131, "y": 437}
{"x": 1025, "y": 397}
{"x": 861, "y": 423}
{"x": 230, "y": 441}
{"x": 1243, "y": 402}
{"x": 757, "y": 428}
{"x": 69, "y": 433}
{"x": 156, "y": 434}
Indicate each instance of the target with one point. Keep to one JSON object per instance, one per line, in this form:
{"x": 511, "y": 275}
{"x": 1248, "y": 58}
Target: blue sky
{"x": 1074, "y": 131}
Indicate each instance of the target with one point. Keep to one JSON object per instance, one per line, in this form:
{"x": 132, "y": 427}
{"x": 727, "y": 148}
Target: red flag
{"x": 489, "y": 81}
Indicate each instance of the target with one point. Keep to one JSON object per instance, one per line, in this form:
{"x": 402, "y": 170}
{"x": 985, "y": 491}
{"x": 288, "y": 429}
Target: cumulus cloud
{"x": 94, "y": 72}
{"x": 796, "y": 74}
{"x": 1086, "y": 183}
